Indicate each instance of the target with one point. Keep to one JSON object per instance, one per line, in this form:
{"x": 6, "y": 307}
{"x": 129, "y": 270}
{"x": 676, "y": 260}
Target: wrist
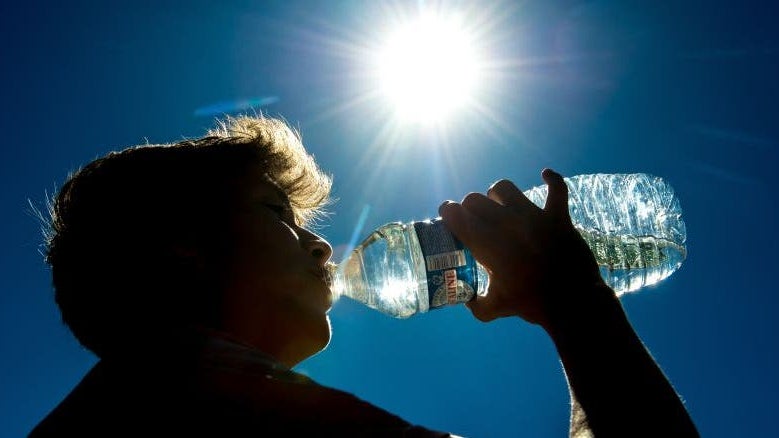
{"x": 583, "y": 310}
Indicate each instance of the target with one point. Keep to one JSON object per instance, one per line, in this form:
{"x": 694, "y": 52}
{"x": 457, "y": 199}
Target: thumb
{"x": 481, "y": 309}
{"x": 557, "y": 199}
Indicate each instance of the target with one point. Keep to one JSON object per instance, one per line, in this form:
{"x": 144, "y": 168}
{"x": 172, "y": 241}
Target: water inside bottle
{"x": 628, "y": 263}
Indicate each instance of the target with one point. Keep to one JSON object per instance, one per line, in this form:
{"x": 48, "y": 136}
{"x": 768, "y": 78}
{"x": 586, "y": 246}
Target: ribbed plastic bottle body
{"x": 631, "y": 222}
{"x": 383, "y": 272}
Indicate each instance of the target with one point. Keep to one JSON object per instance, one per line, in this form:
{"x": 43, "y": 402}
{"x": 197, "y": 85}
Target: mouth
{"x": 327, "y": 274}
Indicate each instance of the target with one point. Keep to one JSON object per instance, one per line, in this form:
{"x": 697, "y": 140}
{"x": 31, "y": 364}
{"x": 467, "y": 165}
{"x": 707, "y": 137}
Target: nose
{"x": 318, "y": 247}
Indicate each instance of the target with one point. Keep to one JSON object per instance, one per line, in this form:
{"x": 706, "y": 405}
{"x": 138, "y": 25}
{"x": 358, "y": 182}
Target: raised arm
{"x": 542, "y": 271}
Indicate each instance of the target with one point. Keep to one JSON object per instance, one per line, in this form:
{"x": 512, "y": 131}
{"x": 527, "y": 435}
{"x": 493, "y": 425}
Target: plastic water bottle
{"x": 631, "y": 222}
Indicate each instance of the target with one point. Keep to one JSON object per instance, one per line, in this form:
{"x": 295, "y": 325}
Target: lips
{"x": 321, "y": 274}
{"x": 326, "y": 274}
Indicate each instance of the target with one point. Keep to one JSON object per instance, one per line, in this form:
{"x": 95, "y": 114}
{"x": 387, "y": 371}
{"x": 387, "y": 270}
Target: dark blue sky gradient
{"x": 685, "y": 90}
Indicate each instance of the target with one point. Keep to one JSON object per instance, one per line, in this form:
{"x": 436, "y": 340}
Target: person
{"x": 189, "y": 270}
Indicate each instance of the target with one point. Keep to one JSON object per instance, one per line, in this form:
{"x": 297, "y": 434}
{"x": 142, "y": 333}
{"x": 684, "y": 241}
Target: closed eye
{"x": 283, "y": 211}
{"x": 276, "y": 208}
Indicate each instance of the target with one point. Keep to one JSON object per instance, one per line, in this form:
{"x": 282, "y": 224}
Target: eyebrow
{"x": 279, "y": 191}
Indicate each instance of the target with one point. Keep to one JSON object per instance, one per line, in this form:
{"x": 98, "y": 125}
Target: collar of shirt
{"x": 224, "y": 353}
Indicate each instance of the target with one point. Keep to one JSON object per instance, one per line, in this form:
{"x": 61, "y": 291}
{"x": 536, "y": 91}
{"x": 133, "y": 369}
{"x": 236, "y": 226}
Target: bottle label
{"x": 451, "y": 268}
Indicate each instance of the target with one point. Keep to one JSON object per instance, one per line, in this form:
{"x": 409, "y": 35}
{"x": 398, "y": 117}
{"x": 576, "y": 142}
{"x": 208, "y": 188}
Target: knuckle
{"x": 472, "y": 199}
{"x": 446, "y": 208}
{"x": 502, "y": 186}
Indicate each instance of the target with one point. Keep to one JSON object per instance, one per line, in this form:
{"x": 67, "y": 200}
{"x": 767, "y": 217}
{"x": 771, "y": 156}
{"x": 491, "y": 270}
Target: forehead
{"x": 258, "y": 186}
{"x": 256, "y": 182}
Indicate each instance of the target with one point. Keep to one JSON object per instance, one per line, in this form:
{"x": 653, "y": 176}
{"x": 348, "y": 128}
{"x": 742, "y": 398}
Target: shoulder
{"x": 260, "y": 400}
{"x": 219, "y": 401}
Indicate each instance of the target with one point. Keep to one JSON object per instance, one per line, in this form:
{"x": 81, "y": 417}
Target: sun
{"x": 428, "y": 68}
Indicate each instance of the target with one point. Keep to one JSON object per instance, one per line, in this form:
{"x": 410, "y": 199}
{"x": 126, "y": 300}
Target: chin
{"x": 325, "y": 334}
{"x": 317, "y": 336}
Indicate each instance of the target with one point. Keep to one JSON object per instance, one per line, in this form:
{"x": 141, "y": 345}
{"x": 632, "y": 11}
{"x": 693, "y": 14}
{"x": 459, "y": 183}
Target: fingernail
{"x": 444, "y": 205}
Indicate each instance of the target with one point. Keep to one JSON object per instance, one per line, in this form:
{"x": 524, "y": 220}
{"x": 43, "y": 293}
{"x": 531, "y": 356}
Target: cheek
{"x": 260, "y": 255}
{"x": 268, "y": 278}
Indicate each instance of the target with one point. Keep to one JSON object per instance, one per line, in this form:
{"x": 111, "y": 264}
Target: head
{"x": 204, "y": 233}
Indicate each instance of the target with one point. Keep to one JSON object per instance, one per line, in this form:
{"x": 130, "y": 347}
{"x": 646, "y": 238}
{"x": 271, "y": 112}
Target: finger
{"x": 506, "y": 193}
{"x": 458, "y": 220}
{"x": 481, "y": 309}
{"x": 482, "y": 207}
{"x": 557, "y": 199}
{"x": 473, "y": 232}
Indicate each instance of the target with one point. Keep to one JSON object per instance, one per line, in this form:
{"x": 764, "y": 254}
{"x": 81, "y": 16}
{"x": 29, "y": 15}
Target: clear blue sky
{"x": 685, "y": 90}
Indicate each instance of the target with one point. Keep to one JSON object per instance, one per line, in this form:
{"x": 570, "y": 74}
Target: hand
{"x": 536, "y": 260}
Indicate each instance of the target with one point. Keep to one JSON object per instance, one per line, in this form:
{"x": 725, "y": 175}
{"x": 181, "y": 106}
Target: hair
{"x": 122, "y": 227}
